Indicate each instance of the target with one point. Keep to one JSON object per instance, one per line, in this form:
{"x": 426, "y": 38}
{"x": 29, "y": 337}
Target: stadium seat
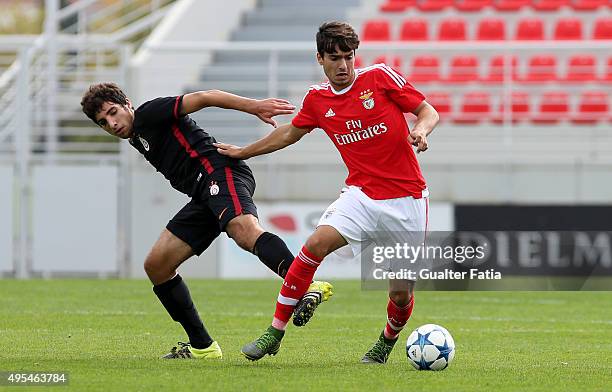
{"x": 497, "y": 72}
{"x": 510, "y": 5}
{"x": 434, "y": 5}
{"x": 452, "y": 29}
{"x": 607, "y": 75}
{"x": 358, "y": 62}
{"x": 553, "y": 108}
{"x": 414, "y": 30}
{"x": 472, "y": 5}
{"x": 568, "y": 29}
{"x": 442, "y": 103}
{"x": 425, "y": 69}
{"x": 377, "y": 30}
{"x": 603, "y": 29}
{"x": 587, "y": 5}
{"x": 581, "y": 68}
{"x": 530, "y": 29}
{"x": 396, "y": 62}
{"x": 548, "y": 5}
{"x": 519, "y": 108}
{"x": 491, "y": 29}
{"x": 463, "y": 69}
{"x": 397, "y": 5}
{"x": 592, "y": 107}
{"x": 475, "y": 107}
{"x": 541, "y": 69}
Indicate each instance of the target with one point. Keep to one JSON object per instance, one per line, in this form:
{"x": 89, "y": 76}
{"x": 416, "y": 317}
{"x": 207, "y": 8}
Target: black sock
{"x": 175, "y": 297}
{"x": 273, "y": 252}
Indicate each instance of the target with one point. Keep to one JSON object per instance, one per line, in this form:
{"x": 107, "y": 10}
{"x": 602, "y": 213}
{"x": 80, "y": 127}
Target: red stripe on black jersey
{"x": 176, "y": 104}
{"x": 192, "y": 153}
{"x": 232, "y": 190}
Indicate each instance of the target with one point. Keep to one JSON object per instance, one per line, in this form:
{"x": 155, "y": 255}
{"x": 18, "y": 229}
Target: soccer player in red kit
{"x": 362, "y": 112}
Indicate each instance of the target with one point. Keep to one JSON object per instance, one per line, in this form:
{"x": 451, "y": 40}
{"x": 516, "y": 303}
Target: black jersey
{"x": 175, "y": 145}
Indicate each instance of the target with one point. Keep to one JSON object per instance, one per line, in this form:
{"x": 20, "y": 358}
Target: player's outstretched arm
{"x": 427, "y": 119}
{"x": 264, "y": 109}
{"x": 279, "y": 138}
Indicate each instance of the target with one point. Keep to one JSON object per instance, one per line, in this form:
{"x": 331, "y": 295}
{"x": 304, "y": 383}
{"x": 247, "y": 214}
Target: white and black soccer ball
{"x": 430, "y": 347}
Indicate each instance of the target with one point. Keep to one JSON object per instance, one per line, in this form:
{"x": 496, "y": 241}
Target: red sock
{"x": 397, "y": 318}
{"x": 296, "y": 284}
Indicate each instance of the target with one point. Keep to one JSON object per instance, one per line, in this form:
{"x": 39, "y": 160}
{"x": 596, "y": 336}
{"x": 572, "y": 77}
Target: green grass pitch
{"x": 109, "y": 335}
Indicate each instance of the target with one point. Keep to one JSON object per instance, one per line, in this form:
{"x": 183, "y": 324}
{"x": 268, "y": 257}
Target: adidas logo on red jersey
{"x": 330, "y": 113}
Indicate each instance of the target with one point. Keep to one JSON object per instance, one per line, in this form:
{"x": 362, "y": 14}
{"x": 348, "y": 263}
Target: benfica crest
{"x": 366, "y": 99}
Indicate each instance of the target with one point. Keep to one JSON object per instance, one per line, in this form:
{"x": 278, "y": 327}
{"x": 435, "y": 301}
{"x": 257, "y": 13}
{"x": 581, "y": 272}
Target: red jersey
{"x": 366, "y": 123}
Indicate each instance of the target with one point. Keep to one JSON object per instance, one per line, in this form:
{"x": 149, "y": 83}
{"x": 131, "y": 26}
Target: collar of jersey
{"x": 347, "y": 88}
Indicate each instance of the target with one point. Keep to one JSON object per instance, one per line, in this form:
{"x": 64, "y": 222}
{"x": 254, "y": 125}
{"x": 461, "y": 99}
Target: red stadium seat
{"x": 519, "y": 108}
{"x": 581, "y": 68}
{"x": 541, "y": 69}
{"x": 554, "y": 107}
{"x": 603, "y": 29}
{"x": 510, "y": 5}
{"x": 475, "y": 107}
{"x": 442, "y": 103}
{"x": 463, "y": 69}
{"x": 396, "y": 62}
{"x": 497, "y": 71}
{"x": 593, "y": 107}
{"x": 548, "y": 5}
{"x": 472, "y": 5}
{"x": 492, "y": 29}
{"x": 530, "y": 29}
{"x": 607, "y": 75}
{"x": 397, "y": 5}
{"x": 452, "y": 29}
{"x": 414, "y": 30}
{"x": 568, "y": 29}
{"x": 434, "y": 5}
{"x": 377, "y": 30}
{"x": 587, "y": 5}
{"x": 425, "y": 69}
{"x": 358, "y": 62}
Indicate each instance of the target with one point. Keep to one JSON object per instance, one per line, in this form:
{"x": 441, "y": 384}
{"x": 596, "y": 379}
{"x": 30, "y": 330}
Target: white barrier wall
{"x": 6, "y": 219}
{"x": 74, "y": 219}
{"x": 154, "y": 203}
{"x": 294, "y": 222}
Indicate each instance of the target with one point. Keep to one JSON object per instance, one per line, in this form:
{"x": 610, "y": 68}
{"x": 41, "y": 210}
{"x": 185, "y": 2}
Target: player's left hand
{"x": 418, "y": 138}
{"x": 265, "y": 109}
{"x": 230, "y": 150}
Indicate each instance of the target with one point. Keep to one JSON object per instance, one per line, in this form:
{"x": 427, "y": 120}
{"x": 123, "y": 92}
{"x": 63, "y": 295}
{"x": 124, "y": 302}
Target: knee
{"x": 318, "y": 246}
{"x": 400, "y": 298}
{"x": 244, "y": 230}
{"x": 152, "y": 265}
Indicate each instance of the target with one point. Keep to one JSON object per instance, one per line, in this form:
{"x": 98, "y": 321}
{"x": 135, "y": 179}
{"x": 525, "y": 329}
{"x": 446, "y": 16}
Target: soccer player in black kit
{"x": 221, "y": 190}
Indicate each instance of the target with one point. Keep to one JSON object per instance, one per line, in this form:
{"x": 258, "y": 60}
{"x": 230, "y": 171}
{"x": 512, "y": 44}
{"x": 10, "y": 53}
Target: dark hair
{"x": 332, "y": 34}
{"x": 97, "y": 94}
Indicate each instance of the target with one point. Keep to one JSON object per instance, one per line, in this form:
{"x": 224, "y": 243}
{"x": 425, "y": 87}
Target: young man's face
{"x": 116, "y": 119}
{"x": 339, "y": 67}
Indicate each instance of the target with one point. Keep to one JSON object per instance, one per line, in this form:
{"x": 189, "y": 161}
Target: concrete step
{"x": 248, "y": 72}
{"x": 282, "y": 16}
{"x": 265, "y": 33}
{"x": 262, "y": 57}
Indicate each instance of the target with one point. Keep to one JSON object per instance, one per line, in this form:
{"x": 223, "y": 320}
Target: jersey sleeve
{"x": 159, "y": 110}
{"x": 306, "y": 117}
{"x": 402, "y": 93}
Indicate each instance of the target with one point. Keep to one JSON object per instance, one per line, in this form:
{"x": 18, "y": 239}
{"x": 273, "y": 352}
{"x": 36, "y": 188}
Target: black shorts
{"x": 225, "y": 194}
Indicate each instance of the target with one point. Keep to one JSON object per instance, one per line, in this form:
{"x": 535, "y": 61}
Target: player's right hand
{"x": 230, "y": 150}
{"x": 419, "y": 140}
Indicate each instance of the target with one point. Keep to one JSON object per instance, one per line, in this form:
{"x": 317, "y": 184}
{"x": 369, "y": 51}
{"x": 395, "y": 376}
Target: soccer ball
{"x": 430, "y": 347}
